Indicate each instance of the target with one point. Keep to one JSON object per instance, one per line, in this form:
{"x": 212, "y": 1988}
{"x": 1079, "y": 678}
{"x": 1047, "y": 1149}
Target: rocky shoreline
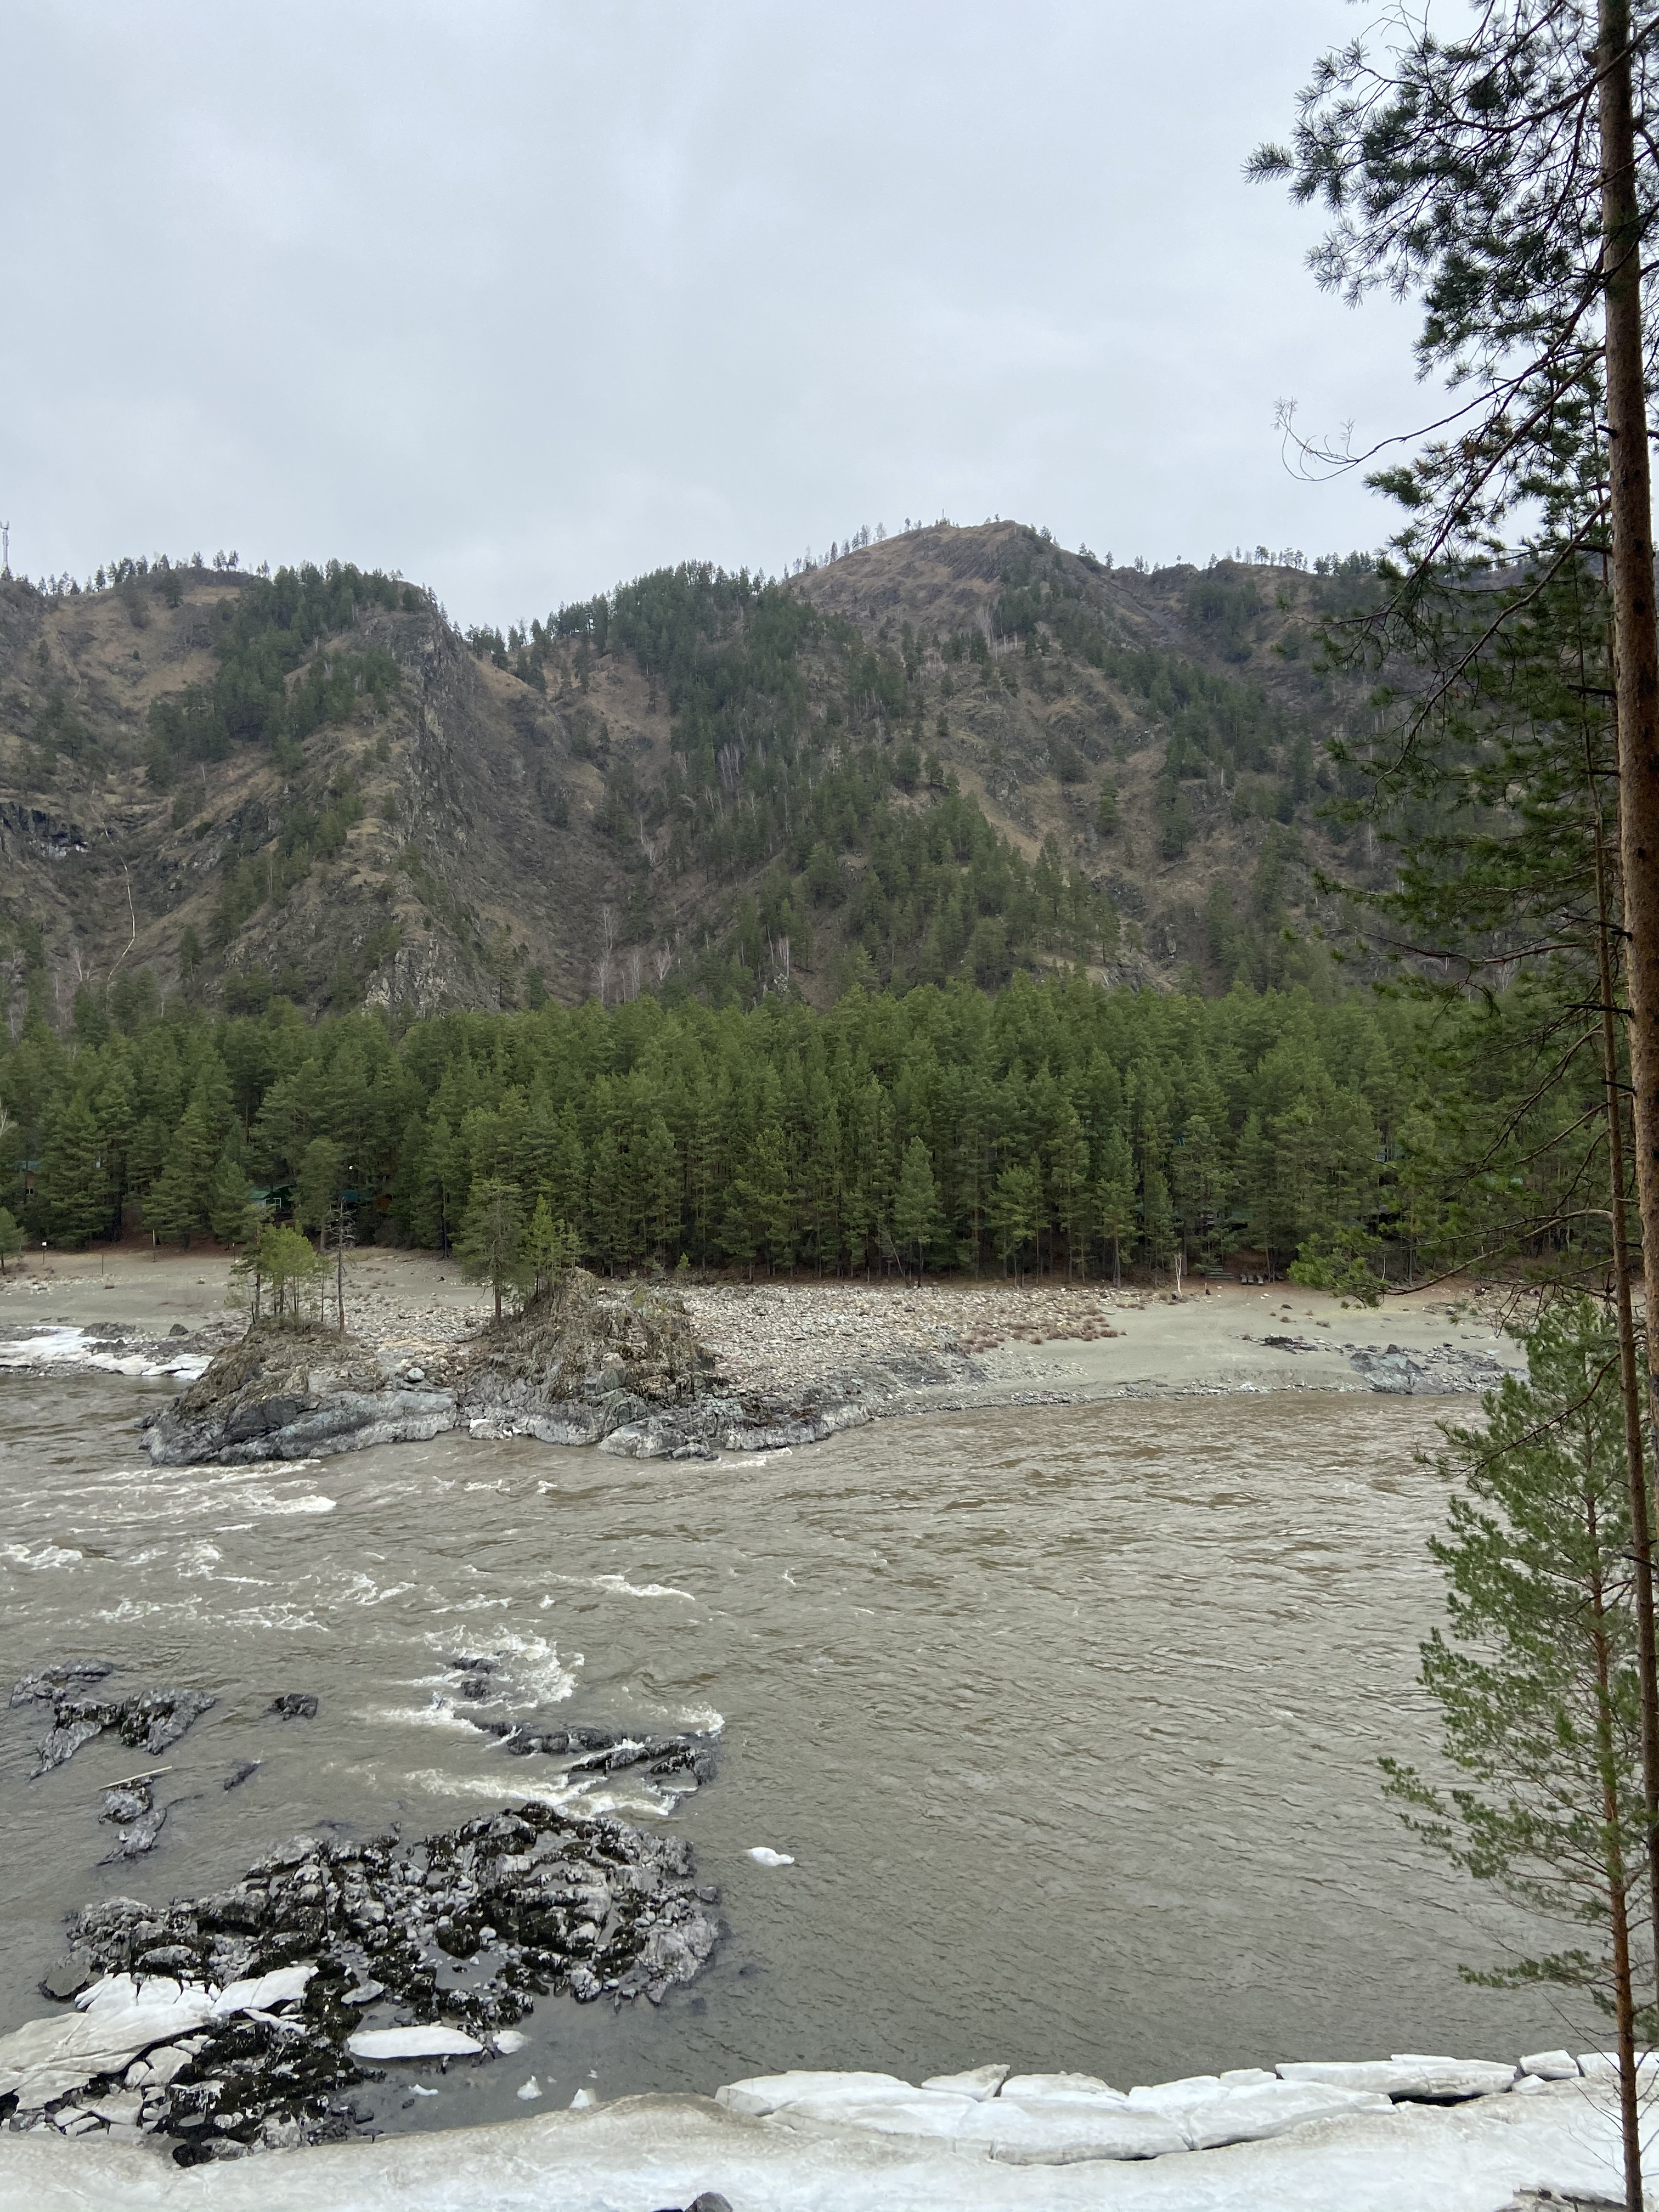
{"x": 254, "y": 2018}
{"x": 650, "y": 1371}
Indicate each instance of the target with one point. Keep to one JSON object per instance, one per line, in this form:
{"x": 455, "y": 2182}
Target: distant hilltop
{"x": 948, "y": 752}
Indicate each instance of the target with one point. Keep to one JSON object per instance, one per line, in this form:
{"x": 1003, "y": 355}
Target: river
{"x": 1069, "y": 1717}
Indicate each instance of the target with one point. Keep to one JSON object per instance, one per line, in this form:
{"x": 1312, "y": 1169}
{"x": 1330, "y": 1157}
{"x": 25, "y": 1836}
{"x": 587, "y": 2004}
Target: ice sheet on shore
{"x": 64, "y": 1345}
{"x": 644, "y": 2151}
{"x": 46, "y": 2058}
{"x": 1408, "y": 2074}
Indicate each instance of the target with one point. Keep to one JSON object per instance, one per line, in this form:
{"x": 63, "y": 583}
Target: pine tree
{"x": 1014, "y": 1213}
{"x": 1115, "y": 1195}
{"x": 11, "y": 1238}
{"x": 550, "y": 1247}
{"x": 322, "y": 1167}
{"x": 230, "y": 1206}
{"x": 916, "y": 1209}
{"x": 174, "y": 1204}
{"x": 72, "y": 1183}
{"x": 1537, "y": 1684}
{"x": 490, "y": 1247}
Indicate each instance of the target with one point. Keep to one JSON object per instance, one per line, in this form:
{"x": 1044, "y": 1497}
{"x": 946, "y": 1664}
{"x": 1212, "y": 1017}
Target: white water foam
{"x": 536, "y": 1668}
{"x": 311, "y": 1501}
{"x": 619, "y": 1586}
{"x": 440, "y": 1713}
{"x": 556, "y": 1793}
{"x": 44, "y": 1555}
{"x": 62, "y": 1345}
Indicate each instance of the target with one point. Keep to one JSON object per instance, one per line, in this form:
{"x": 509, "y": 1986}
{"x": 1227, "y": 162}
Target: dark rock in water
{"x": 138, "y": 1836}
{"x": 153, "y": 1720}
{"x": 67, "y": 1978}
{"x": 127, "y": 1800}
{"x": 295, "y": 1705}
{"x": 178, "y": 1329}
{"x": 467, "y": 1927}
{"x": 51, "y": 1681}
{"x": 138, "y": 1820}
{"x": 242, "y": 1773}
{"x": 677, "y": 1763}
{"x": 66, "y": 1739}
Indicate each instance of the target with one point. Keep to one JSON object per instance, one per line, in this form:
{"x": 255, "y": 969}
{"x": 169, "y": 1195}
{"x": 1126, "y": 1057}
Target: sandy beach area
{"x": 944, "y": 1344}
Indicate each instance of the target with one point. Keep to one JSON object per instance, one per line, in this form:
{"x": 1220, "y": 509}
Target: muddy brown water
{"x": 1069, "y": 1718}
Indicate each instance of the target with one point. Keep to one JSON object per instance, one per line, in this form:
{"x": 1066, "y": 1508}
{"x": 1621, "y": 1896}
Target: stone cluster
{"x": 151, "y": 1720}
{"x": 244, "y": 2020}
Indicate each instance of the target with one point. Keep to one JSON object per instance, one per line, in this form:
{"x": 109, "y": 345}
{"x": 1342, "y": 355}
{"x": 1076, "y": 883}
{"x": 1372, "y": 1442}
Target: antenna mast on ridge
{"x": 5, "y": 549}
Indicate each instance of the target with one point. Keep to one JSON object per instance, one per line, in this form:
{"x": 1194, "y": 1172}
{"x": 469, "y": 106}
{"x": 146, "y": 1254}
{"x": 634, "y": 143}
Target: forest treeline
{"x": 1056, "y": 1126}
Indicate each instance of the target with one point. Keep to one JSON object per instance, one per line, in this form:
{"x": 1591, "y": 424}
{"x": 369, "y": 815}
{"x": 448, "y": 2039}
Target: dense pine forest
{"x": 1055, "y": 1126}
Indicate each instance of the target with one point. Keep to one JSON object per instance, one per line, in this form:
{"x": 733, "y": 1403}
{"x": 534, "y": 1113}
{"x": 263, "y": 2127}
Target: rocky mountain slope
{"x": 954, "y": 751}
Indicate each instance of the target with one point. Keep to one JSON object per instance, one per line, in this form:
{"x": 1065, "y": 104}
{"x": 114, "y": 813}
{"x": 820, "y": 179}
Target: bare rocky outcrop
{"x": 582, "y": 1362}
{"x": 620, "y": 1365}
{"x": 296, "y": 1391}
{"x": 623, "y": 1367}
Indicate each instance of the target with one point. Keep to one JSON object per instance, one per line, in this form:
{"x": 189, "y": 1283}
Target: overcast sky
{"x": 524, "y": 299}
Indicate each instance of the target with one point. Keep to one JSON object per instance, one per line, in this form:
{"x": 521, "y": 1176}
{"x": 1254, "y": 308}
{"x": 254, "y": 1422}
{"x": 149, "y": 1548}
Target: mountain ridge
{"x": 897, "y": 766}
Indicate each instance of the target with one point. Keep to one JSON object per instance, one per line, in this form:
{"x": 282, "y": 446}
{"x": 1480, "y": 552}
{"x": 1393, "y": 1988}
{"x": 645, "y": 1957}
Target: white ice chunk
{"x": 119, "y": 2107}
{"x": 1603, "y": 2066}
{"x": 1551, "y": 2066}
{"x": 1408, "y": 2074}
{"x": 1175, "y": 2096}
{"x": 260, "y": 1993}
{"x": 430, "y": 2041}
{"x": 527, "y": 2092}
{"x": 583, "y": 2101}
{"x": 978, "y": 2081}
{"x": 1050, "y": 2086}
{"x": 1260, "y": 2110}
{"x": 164, "y": 2063}
{"x": 47, "y": 2059}
{"x": 763, "y": 1855}
{"x": 1065, "y": 2131}
{"x": 902, "y": 2112}
{"x": 766, "y": 2092}
{"x": 507, "y": 2040}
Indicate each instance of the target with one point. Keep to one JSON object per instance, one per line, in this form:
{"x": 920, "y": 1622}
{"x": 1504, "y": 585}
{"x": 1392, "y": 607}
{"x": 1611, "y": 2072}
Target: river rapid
{"x": 1068, "y": 1716}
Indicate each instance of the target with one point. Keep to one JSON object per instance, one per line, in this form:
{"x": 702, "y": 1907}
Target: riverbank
{"x": 1501, "y": 2154}
{"x": 883, "y": 1347}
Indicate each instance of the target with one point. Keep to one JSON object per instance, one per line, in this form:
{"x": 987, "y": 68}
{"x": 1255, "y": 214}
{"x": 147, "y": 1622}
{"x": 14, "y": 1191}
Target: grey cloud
{"x": 524, "y": 299}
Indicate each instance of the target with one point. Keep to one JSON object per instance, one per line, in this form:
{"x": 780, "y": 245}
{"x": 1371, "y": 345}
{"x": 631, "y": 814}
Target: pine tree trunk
{"x": 1641, "y": 1522}
{"x": 1631, "y": 500}
{"x": 1624, "y": 2002}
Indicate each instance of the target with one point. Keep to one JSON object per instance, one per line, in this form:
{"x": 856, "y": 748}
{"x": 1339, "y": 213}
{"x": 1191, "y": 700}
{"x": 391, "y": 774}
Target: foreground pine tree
{"x": 1536, "y": 1677}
